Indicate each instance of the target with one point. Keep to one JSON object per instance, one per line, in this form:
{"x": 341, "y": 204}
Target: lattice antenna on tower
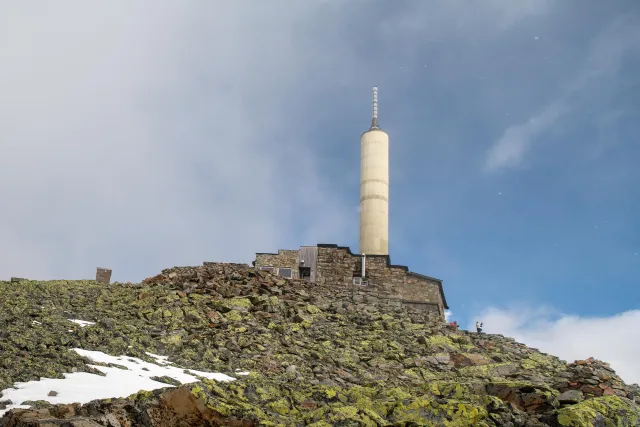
{"x": 374, "y": 116}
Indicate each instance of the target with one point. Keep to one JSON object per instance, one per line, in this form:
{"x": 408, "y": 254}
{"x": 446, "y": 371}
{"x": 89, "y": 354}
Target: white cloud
{"x": 509, "y": 150}
{"x": 612, "y": 339}
{"x": 606, "y": 52}
{"x": 155, "y": 132}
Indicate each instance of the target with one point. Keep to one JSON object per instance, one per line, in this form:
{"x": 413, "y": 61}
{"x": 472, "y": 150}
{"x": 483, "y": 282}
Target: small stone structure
{"x": 103, "y": 275}
{"x": 367, "y": 276}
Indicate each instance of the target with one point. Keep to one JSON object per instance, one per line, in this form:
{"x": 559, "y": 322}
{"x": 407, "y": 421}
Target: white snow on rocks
{"x": 82, "y": 387}
{"x": 82, "y": 323}
{"x": 162, "y": 360}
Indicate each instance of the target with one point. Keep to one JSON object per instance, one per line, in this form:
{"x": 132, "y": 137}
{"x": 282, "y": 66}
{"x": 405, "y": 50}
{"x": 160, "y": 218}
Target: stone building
{"x": 368, "y": 276}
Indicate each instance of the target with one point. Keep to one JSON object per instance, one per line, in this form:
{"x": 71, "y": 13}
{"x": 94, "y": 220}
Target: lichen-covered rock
{"x": 315, "y": 359}
{"x": 600, "y": 411}
{"x": 571, "y": 396}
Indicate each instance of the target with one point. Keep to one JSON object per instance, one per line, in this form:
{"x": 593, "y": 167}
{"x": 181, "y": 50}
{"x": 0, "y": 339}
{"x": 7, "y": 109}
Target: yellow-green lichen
{"x": 330, "y": 393}
{"x": 455, "y": 413}
{"x": 281, "y": 406}
{"x": 239, "y": 302}
{"x": 441, "y": 341}
{"x": 234, "y": 316}
{"x": 482, "y": 370}
{"x": 273, "y": 300}
{"x": 537, "y": 361}
{"x": 617, "y": 411}
{"x": 346, "y": 412}
{"x": 312, "y": 309}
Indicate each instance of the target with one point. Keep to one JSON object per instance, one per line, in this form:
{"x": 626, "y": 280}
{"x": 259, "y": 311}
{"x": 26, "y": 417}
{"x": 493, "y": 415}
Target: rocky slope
{"x": 312, "y": 360}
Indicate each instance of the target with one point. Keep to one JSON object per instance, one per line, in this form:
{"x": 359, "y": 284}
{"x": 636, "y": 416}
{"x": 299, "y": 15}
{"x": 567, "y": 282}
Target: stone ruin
{"x": 103, "y": 275}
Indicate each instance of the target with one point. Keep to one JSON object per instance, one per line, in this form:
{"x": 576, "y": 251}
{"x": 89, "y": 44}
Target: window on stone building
{"x": 285, "y": 272}
{"x": 271, "y": 269}
{"x": 305, "y": 273}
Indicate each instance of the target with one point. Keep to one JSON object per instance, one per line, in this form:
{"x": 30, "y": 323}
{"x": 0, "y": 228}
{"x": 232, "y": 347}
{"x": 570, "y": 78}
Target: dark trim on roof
{"x": 280, "y": 251}
{"x": 444, "y": 300}
{"x": 422, "y": 276}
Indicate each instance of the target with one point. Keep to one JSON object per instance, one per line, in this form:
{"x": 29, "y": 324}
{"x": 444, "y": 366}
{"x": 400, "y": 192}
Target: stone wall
{"x": 285, "y": 258}
{"x": 362, "y": 298}
{"x": 418, "y": 288}
{"x": 103, "y": 275}
{"x": 338, "y": 266}
{"x": 388, "y": 279}
{"x": 387, "y": 284}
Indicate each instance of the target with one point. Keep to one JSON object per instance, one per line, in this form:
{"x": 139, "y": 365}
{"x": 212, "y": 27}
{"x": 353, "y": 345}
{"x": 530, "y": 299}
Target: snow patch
{"x": 83, "y": 387}
{"x": 82, "y": 323}
{"x": 162, "y": 360}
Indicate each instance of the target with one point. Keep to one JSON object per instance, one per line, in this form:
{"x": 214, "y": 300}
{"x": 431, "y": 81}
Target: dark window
{"x": 305, "y": 273}
{"x": 285, "y": 272}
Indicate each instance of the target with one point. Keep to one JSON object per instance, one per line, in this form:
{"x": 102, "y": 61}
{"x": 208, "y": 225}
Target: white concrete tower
{"x": 374, "y": 187}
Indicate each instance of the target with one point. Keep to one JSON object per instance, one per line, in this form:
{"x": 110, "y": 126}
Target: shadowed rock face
{"x": 314, "y": 360}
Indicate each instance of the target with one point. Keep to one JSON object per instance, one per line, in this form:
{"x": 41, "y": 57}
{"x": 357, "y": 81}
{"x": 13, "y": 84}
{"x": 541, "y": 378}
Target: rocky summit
{"x": 311, "y": 359}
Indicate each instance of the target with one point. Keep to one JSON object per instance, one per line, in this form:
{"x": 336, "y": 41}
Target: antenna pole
{"x": 374, "y": 117}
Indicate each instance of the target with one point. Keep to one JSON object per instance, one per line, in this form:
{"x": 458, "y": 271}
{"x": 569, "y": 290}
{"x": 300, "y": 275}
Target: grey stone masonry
{"x": 284, "y": 259}
{"x": 103, "y": 275}
{"x": 341, "y": 269}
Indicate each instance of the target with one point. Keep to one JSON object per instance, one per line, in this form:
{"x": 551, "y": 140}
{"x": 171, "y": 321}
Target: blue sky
{"x": 143, "y": 136}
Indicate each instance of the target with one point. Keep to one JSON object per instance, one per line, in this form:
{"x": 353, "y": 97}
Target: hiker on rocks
{"x": 479, "y": 327}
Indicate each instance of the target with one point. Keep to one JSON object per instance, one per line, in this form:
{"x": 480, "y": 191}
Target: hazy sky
{"x": 139, "y": 136}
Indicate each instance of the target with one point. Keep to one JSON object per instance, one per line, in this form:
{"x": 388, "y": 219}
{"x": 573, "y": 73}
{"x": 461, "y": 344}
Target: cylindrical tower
{"x": 374, "y": 187}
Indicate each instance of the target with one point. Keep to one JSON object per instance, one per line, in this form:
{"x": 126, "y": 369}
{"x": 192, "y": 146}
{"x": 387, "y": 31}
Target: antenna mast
{"x": 374, "y": 117}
